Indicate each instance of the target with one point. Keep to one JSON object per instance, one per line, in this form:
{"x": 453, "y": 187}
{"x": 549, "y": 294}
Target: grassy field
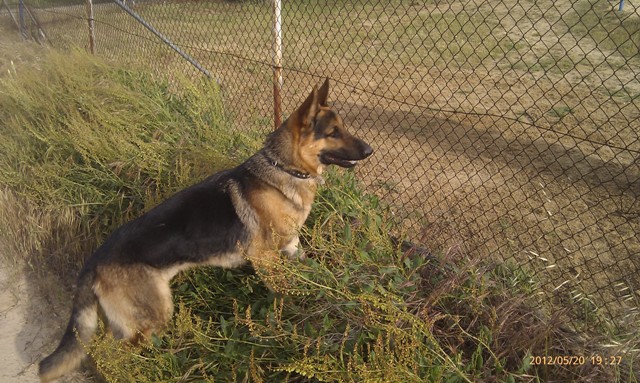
{"x": 89, "y": 144}
{"x": 508, "y": 131}
{"x": 462, "y": 97}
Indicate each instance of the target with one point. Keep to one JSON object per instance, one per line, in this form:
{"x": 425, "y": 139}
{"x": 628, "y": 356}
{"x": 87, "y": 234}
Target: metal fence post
{"x": 121, "y": 4}
{"x": 277, "y": 62}
{"x": 40, "y": 35}
{"x": 92, "y": 32}
{"x": 23, "y": 29}
{"x": 11, "y": 13}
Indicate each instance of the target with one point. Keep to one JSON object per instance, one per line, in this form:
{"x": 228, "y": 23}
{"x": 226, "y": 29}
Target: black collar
{"x": 293, "y": 172}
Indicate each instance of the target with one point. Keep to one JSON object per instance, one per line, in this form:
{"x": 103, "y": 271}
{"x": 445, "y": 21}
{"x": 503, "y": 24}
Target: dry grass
{"x": 80, "y": 159}
{"x": 88, "y": 147}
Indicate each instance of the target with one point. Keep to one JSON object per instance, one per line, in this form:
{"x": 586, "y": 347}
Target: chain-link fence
{"x": 508, "y": 128}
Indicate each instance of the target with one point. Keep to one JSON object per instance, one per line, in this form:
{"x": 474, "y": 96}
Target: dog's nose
{"x": 367, "y": 150}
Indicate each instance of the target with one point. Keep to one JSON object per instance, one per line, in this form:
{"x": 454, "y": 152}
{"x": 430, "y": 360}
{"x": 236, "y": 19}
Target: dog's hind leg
{"x": 82, "y": 324}
{"x": 136, "y": 299}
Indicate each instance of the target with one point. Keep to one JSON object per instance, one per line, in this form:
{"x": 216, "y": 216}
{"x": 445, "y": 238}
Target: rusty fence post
{"x": 277, "y": 62}
{"x": 92, "y": 31}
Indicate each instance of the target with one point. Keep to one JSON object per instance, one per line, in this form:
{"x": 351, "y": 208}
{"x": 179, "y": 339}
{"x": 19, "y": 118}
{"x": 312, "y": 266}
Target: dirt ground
{"x": 30, "y": 325}
{"x": 23, "y": 334}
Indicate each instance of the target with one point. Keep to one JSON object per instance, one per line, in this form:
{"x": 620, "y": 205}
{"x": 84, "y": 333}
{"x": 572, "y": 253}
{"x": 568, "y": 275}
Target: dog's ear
{"x": 323, "y": 93}
{"x": 306, "y": 112}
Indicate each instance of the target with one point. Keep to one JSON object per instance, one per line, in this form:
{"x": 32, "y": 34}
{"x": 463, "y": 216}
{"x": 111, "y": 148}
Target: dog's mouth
{"x": 329, "y": 159}
{"x": 346, "y": 158}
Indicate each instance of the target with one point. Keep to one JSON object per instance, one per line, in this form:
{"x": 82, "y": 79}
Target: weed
{"x": 560, "y": 111}
{"x": 360, "y": 308}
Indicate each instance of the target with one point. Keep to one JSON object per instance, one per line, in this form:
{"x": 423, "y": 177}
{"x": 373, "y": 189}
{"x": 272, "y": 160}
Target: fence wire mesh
{"x": 508, "y": 128}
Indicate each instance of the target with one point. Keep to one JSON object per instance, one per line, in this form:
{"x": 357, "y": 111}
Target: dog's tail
{"x": 82, "y": 325}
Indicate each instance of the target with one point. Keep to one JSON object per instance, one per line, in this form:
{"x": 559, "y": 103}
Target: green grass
{"x": 560, "y": 111}
{"x": 87, "y": 145}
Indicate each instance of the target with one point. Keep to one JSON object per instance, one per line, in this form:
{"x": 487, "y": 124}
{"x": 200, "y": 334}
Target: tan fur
{"x": 135, "y": 298}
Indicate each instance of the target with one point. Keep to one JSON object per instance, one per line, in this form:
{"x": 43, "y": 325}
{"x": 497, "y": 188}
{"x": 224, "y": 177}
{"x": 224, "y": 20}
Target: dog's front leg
{"x": 271, "y": 270}
{"x": 292, "y": 249}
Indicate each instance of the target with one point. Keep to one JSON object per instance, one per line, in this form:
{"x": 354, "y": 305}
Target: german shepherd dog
{"x": 251, "y": 213}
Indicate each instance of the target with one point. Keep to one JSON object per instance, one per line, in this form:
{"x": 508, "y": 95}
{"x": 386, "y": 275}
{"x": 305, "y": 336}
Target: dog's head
{"x": 320, "y": 138}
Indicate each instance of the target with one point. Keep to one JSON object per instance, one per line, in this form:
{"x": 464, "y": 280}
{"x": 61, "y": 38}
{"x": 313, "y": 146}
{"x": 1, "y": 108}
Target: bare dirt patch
{"x": 30, "y": 327}
{"x": 21, "y": 332}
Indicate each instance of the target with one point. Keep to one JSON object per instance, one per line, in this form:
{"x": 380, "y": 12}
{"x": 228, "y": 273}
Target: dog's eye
{"x": 335, "y": 133}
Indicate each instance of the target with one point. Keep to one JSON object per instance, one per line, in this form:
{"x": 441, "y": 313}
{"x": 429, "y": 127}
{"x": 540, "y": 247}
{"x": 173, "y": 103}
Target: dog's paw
{"x": 293, "y": 251}
{"x": 294, "y": 254}
{"x": 298, "y": 255}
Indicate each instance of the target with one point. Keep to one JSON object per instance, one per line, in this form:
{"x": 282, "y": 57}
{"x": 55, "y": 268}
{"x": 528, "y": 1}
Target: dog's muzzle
{"x": 347, "y": 158}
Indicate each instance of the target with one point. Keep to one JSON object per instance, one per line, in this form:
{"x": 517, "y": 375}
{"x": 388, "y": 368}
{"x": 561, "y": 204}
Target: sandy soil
{"x": 25, "y": 334}
{"x": 31, "y": 326}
